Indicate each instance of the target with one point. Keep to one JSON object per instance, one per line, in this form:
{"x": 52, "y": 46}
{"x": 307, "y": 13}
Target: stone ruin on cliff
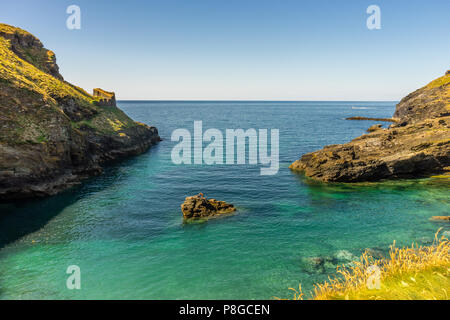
{"x": 105, "y": 98}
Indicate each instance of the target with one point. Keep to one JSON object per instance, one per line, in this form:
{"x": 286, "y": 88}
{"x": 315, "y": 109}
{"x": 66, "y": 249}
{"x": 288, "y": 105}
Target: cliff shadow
{"x": 20, "y": 218}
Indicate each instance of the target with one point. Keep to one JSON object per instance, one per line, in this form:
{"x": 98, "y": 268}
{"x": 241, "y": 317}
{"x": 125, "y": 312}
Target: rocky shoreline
{"x": 52, "y": 133}
{"x": 416, "y": 145}
{"x": 372, "y": 119}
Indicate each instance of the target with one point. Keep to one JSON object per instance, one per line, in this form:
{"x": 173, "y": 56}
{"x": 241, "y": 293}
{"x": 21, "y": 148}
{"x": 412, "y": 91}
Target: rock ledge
{"x": 416, "y": 145}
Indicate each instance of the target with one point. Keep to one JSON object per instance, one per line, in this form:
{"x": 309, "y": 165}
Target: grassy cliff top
{"x": 32, "y": 90}
{"x": 439, "y": 82}
{"x": 24, "y": 71}
{"x": 430, "y": 101}
{"x": 7, "y": 29}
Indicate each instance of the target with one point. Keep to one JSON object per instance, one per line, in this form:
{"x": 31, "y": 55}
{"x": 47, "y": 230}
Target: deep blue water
{"x": 124, "y": 229}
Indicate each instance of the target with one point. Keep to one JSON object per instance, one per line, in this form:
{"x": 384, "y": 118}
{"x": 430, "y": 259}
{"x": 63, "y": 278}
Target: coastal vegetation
{"x": 409, "y": 273}
{"x": 52, "y": 133}
{"x": 29, "y": 74}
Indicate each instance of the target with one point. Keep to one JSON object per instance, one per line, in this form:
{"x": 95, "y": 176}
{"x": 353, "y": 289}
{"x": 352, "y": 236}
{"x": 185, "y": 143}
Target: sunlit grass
{"x": 32, "y": 95}
{"x": 410, "y": 273}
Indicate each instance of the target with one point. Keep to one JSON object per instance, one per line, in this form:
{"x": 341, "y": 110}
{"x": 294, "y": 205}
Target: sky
{"x": 243, "y": 49}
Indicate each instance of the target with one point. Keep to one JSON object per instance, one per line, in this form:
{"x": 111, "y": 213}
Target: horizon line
{"x": 245, "y": 100}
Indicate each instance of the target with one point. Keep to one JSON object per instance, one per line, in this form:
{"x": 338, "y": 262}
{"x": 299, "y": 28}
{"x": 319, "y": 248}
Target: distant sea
{"x": 124, "y": 229}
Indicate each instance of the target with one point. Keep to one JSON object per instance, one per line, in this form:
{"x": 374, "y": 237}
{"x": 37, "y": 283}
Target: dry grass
{"x": 444, "y": 80}
{"x": 416, "y": 272}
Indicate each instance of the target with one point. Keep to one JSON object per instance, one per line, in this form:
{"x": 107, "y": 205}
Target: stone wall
{"x": 105, "y": 98}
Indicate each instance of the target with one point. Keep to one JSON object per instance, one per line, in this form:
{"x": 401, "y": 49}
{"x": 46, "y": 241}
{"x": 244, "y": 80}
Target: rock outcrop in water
{"x": 441, "y": 218}
{"x": 372, "y": 119}
{"x": 52, "y": 133}
{"x": 198, "y": 207}
{"x": 417, "y": 145}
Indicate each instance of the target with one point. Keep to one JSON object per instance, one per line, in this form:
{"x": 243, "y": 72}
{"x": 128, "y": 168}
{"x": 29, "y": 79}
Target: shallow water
{"x": 124, "y": 229}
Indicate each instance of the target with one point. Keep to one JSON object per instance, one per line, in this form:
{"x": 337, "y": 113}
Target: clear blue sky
{"x": 243, "y": 49}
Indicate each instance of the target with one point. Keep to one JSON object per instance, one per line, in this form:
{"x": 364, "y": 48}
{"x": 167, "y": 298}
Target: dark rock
{"x": 345, "y": 256}
{"x": 328, "y": 264}
{"x": 417, "y": 145}
{"x": 318, "y": 265}
{"x": 198, "y": 207}
{"x": 441, "y": 218}
{"x": 425, "y": 103}
{"x": 372, "y": 119}
{"x": 374, "y": 128}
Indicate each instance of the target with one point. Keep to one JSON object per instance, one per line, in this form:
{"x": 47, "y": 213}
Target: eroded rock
{"x": 198, "y": 207}
{"x": 417, "y": 145}
{"x": 440, "y": 218}
{"x": 375, "y": 127}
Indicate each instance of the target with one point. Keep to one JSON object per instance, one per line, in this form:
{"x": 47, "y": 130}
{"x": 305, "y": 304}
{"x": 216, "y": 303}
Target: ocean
{"x": 124, "y": 229}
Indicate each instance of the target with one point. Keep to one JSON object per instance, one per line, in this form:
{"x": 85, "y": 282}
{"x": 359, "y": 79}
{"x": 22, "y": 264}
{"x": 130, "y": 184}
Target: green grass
{"x": 439, "y": 82}
{"x": 30, "y": 96}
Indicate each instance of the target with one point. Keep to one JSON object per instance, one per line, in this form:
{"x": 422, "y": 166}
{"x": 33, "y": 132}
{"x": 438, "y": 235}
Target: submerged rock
{"x": 198, "y": 207}
{"x": 376, "y": 253}
{"x": 327, "y": 264}
{"x": 322, "y": 265}
{"x": 425, "y": 241}
{"x": 417, "y": 144}
{"x": 345, "y": 256}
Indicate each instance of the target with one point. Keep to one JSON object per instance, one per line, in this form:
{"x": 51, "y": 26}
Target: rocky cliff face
{"x": 431, "y": 101}
{"x": 417, "y": 145}
{"x": 52, "y": 133}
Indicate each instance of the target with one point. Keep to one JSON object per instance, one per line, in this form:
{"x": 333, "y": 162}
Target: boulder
{"x": 441, "y": 218}
{"x": 374, "y": 128}
{"x": 198, "y": 207}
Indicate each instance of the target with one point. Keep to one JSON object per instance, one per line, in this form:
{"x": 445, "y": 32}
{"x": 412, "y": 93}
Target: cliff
{"x": 416, "y": 145}
{"x": 52, "y": 133}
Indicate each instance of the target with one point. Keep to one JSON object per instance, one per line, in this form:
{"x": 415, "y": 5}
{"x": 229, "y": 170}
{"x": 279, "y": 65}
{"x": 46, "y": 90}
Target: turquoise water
{"x": 124, "y": 229}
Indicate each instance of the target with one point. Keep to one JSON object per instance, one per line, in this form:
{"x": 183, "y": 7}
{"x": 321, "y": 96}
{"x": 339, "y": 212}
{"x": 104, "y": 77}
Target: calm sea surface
{"x": 124, "y": 229}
